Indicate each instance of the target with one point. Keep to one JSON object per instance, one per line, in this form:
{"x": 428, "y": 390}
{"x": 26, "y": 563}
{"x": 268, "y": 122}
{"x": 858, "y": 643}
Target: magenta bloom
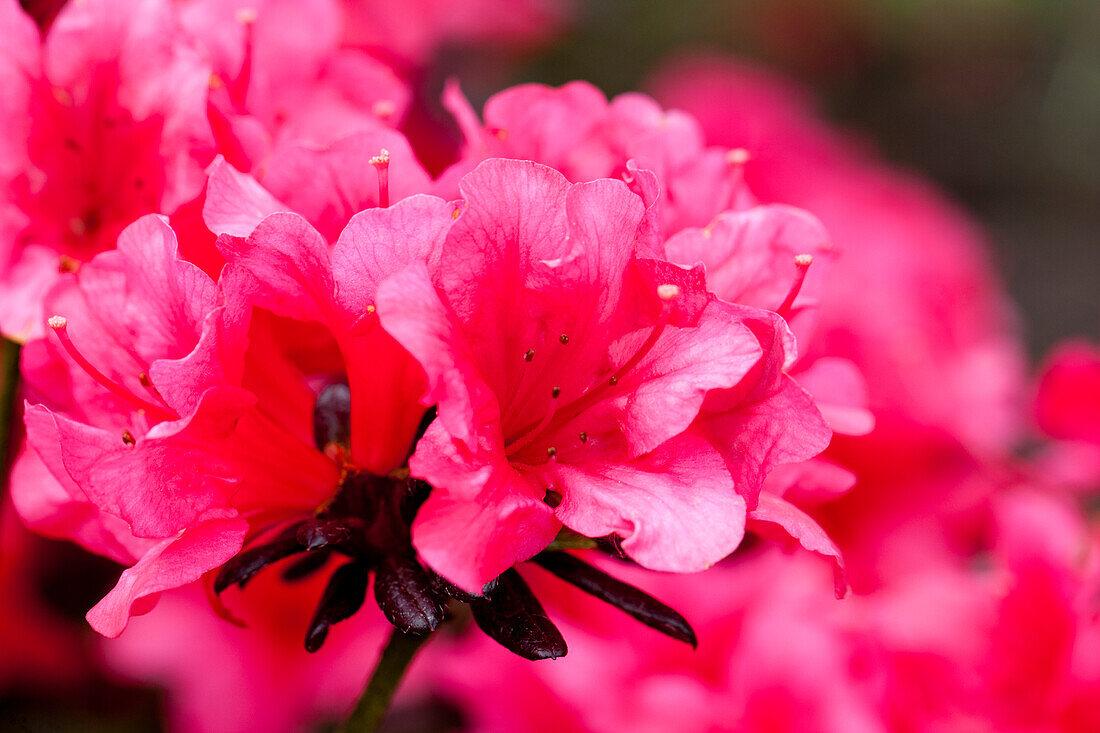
{"x": 575, "y": 130}
{"x": 945, "y": 647}
{"x": 282, "y": 78}
{"x": 103, "y": 121}
{"x": 913, "y": 301}
{"x": 1068, "y": 403}
{"x": 409, "y": 33}
{"x": 568, "y": 379}
{"x": 149, "y": 392}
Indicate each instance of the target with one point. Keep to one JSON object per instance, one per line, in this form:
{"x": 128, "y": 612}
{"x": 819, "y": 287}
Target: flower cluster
{"x": 432, "y": 380}
{"x": 270, "y": 364}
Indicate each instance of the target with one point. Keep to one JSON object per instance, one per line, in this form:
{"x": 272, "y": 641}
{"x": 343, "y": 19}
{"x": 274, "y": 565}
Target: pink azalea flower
{"x": 567, "y": 382}
{"x": 282, "y": 77}
{"x": 117, "y": 111}
{"x": 232, "y": 678}
{"x": 103, "y": 121}
{"x": 153, "y": 358}
{"x": 410, "y": 33}
{"x": 1067, "y": 408}
{"x": 948, "y": 647}
{"x": 1068, "y": 403}
{"x": 575, "y": 130}
{"x": 219, "y": 419}
{"x": 912, "y": 300}
{"x": 753, "y": 255}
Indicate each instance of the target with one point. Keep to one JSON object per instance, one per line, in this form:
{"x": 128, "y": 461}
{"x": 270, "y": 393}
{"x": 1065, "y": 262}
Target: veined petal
{"x": 675, "y": 508}
{"x": 173, "y": 563}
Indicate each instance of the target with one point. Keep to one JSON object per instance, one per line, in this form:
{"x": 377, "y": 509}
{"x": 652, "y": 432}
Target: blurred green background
{"x": 997, "y": 101}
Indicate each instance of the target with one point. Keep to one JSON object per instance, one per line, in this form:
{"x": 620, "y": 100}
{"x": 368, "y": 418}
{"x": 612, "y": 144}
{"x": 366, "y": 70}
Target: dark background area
{"x": 996, "y": 101}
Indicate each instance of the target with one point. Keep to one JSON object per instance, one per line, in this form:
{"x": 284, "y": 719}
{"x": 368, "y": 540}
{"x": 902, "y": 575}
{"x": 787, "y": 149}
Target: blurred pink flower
{"x": 116, "y": 112}
{"x": 1011, "y": 647}
{"x": 281, "y": 76}
{"x": 409, "y": 33}
{"x": 1067, "y": 409}
{"x": 912, "y": 299}
{"x": 1068, "y": 403}
{"x": 230, "y": 678}
{"x": 103, "y": 121}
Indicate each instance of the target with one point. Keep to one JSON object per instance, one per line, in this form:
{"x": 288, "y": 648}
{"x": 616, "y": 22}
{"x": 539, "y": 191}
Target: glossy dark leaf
{"x": 513, "y": 617}
{"x": 446, "y": 588}
{"x": 306, "y": 565}
{"x": 240, "y": 569}
{"x": 318, "y": 533}
{"x": 623, "y": 596}
{"x": 403, "y": 590}
{"x": 343, "y": 597}
{"x": 332, "y": 416}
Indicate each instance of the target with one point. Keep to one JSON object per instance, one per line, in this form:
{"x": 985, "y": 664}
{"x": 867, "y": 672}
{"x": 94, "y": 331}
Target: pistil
{"x": 60, "y": 326}
{"x": 381, "y": 163}
{"x": 802, "y": 264}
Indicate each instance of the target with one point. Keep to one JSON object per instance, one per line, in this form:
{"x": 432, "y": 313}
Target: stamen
{"x": 526, "y": 437}
{"x": 128, "y": 438}
{"x": 59, "y": 324}
{"x": 67, "y": 264}
{"x": 667, "y": 293}
{"x": 383, "y": 109}
{"x": 738, "y": 156}
{"x": 238, "y": 90}
{"x": 584, "y": 437}
{"x": 802, "y": 263}
{"x": 529, "y": 356}
{"x": 564, "y": 338}
{"x": 381, "y": 163}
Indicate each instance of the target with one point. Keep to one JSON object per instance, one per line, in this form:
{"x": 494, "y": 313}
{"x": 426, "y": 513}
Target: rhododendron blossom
{"x": 639, "y": 408}
{"x": 568, "y": 380}
{"x": 103, "y": 121}
{"x": 116, "y": 112}
{"x": 285, "y": 340}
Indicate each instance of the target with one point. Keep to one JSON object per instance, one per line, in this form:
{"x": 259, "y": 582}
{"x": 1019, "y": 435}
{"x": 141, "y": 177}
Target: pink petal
{"x": 328, "y": 186}
{"x": 749, "y": 256}
{"x": 173, "y": 563}
{"x": 840, "y": 393}
{"x": 23, "y": 287}
{"x": 777, "y": 512}
{"x": 783, "y": 427}
{"x": 675, "y": 508}
{"x": 235, "y": 203}
{"x": 50, "y": 503}
{"x": 410, "y": 310}
{"x": 661, "y": 396}
{"x": 180, "y": 476}
{"x": 378, "y": 243}
{"x": 292, "y": 264}
{"x": 470, "y": 542}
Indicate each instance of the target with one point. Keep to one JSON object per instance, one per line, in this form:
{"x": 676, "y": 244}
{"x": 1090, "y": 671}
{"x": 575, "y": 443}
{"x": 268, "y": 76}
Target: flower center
{"x": 556, "y": 418}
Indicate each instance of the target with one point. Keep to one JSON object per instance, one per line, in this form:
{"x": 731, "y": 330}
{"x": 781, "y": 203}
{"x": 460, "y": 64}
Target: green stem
{"x": 9, "y": 386}
{"x": 371, "y": 709}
